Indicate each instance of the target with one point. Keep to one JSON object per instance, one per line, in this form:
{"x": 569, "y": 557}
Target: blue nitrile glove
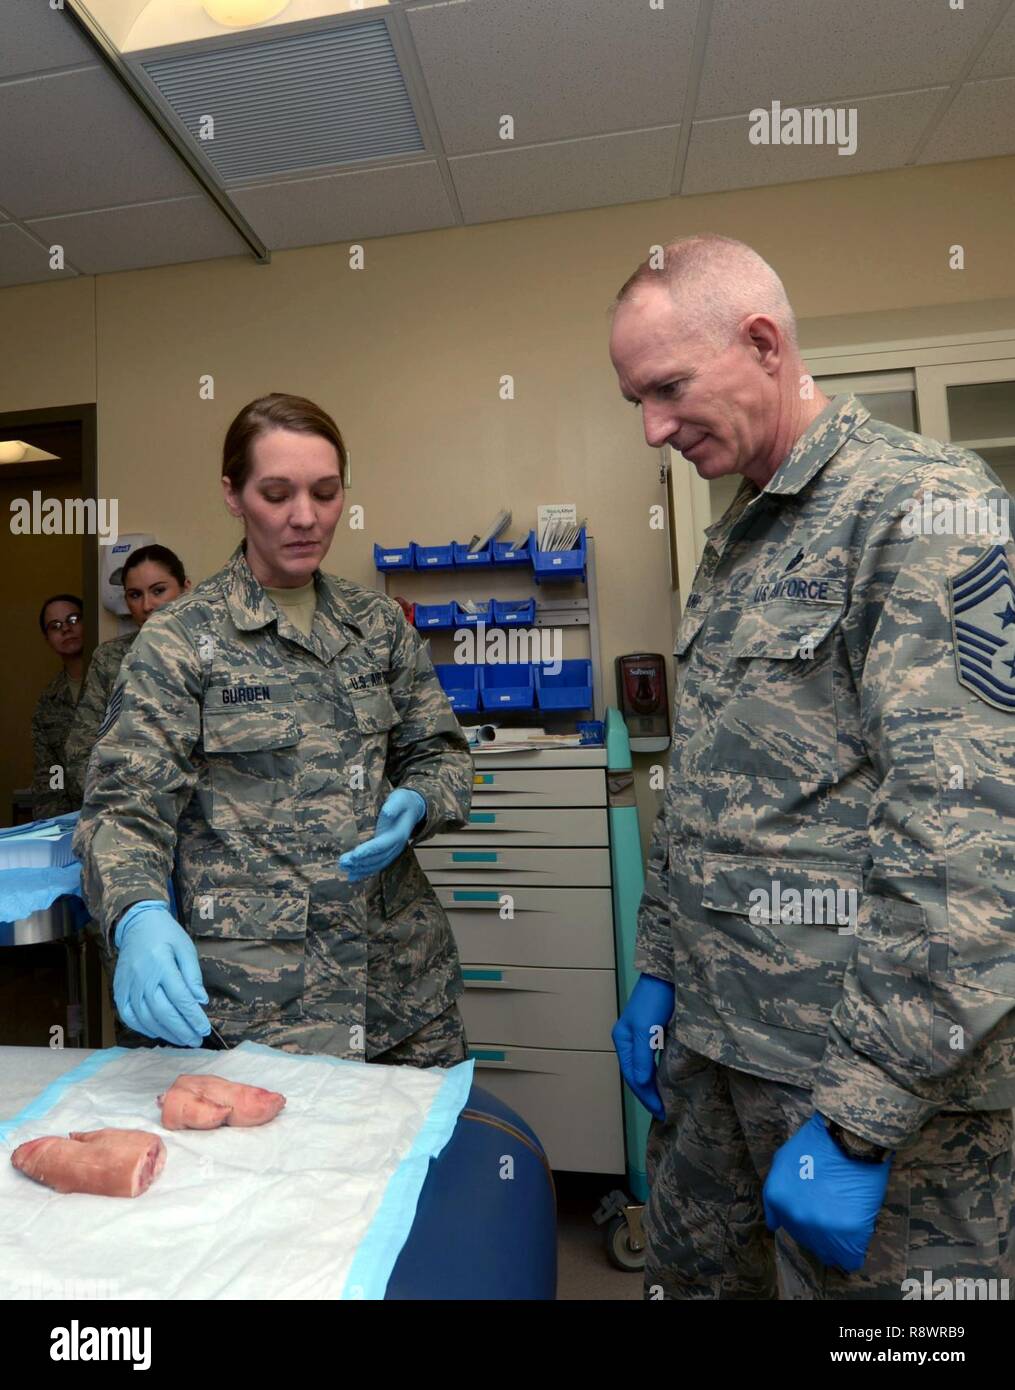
{"x": 828, "y": 1204}
{"x": 396, "y": 822}
{"x": 649, "y": 1007}
{"x": 157, "y": 982}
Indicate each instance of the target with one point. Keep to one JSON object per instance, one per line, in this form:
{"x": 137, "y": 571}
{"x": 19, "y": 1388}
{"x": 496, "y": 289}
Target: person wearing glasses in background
{"x": 152, "y": 577}
{"x": 62, "y": 625}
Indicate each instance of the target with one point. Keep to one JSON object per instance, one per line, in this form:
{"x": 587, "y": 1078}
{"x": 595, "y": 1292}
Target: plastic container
{"x": 466, "y": 559}
{"x": 433, "y": 557}
{"x": 484, "y": 614}
{"x": 431, "y": 615}
{"x": 558, "y": 564}
{"x": 505, "y": 553}
{"x": 22, "y": 852}
{"x": 393, "y": 557}
{"x": 460, "y": 684}
{"x": 591, "y": 732}
{"x": 570, "y": 688}
{"x": 514, "y": 613}
{"x": 510, "y": 685}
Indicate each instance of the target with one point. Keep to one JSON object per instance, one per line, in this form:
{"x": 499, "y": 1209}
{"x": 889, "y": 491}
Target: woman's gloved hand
{"x": 157, "y": 983}
{"x": 396, "y": 822}
{"x": 649, "y": 1008}
{"x": 826, "y": 1201}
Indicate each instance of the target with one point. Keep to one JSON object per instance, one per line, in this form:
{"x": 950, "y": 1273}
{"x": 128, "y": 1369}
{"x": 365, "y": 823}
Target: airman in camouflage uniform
{"x": 843, "y": 726}
{"x": 260, "y": 755}
{"x": 103, "y": 670}
{"x": 51, "y": 721}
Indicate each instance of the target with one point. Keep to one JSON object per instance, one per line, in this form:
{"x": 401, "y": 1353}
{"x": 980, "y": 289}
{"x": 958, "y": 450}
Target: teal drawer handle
{"x": 482, "y": 817}
{"x": 479, "y": 896}
{"x": 487, "y": 1055}
{"x": 467, "y": 857}
{"x": 482, "y": 974}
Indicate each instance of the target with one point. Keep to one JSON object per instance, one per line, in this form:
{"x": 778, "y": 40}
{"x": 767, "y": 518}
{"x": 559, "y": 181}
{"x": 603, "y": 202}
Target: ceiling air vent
{"x": 333, "y": 96}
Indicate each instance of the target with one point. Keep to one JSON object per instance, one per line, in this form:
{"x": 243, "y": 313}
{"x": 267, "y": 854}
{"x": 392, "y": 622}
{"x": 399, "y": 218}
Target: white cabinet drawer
{"x": 522, "y": 1006}
{"x": 554, "y": 787}
{"x": 572, "y": 1101}
{"x": 509, "y": 827}
{"x": 539, "y": 868}
{"x": 547, "y": 926}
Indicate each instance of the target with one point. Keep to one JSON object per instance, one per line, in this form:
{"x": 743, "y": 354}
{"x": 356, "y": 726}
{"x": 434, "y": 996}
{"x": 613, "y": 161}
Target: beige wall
{"x": 408, "y": 353}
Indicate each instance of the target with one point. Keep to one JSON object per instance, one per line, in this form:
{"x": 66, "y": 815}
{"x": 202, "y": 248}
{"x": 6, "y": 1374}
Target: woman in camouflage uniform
{"x": 60, "y": 620}
{"x": 283, "y": 731}
{"x": 152, "y": 576}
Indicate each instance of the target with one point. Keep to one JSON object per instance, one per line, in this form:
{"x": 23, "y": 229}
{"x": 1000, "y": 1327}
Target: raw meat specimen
{"x": 103, "y": 1162}
{"x": 206, "y": 1102}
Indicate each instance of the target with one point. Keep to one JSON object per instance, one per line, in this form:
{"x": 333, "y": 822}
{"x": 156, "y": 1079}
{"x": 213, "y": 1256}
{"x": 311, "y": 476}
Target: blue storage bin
{"x": 505, "y": 553}
{"x": 393, "y": 557}
{"x": 460, "y": 684}
{"x": 465, "y": 557}
{"x": 571, "y": 688}
{"x": 430, "y": 615}
{"x": 433, "y": 557}
{"x": 591, "y": 732}
{"x": 520, "y": 613}
{"x": 558, "y": 564}
{"x": 463, "y": 618}
{"x": 507, "y": 686}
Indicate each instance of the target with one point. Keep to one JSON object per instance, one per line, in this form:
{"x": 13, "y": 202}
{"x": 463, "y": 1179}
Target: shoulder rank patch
{"x": 983, "y": 628}
{"x": 112, "y": 713}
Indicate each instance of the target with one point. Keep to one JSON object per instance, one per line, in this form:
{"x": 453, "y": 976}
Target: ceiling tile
{"x": 566, "y": 176}
{"x": 797, "y": 51}
{"x": 721, "y": 156}
{"x": 979, "y": 124}
{"x": 145, "y": 234}
{"x": 368, "y": 203}
{"x": 36, "y": 38}
{"x": 584, "y": 67}
{"x": 75, "y": 141}
{"x": 998, "y": 58}
{"x": 23, "y": 260}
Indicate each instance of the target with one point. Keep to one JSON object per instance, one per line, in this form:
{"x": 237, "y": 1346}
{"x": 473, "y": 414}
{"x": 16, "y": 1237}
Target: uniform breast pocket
{"x": 779, "y": 720}
{"x": 374, "y": 710}
{"x": 252, "y": 763}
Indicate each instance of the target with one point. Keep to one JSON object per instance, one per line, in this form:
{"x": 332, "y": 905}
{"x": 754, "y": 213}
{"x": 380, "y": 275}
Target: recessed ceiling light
{"x": 17, "y": 451}
{"x": 237, "y": 14}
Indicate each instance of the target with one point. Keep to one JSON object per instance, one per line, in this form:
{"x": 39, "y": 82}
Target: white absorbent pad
{"x": 315, "y": 1204}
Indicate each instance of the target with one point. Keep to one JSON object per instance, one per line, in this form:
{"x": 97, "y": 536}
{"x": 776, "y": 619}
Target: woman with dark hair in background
{"x": 283, "y": 732}
{"x": 61, "y": 623}
{"x": 152, "y": 576}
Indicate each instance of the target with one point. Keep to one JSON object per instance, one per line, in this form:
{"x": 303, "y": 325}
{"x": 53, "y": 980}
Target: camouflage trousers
{"x": 946, "y": 1216}
{"x": 439, "y": 1043}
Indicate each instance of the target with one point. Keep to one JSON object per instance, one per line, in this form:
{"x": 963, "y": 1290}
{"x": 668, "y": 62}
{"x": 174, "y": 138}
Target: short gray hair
{"x": 716, "y": 282}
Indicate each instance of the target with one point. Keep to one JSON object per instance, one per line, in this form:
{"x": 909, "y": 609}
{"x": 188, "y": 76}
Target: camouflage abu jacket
{"x": 260, "y": 755}
{"x": 831, "y": 881}
{"x": 103, "y": 670}
{"x": 51, "y": 719}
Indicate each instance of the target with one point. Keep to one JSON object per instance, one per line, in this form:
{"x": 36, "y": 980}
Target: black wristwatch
{"x": 853, "y": 1146}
